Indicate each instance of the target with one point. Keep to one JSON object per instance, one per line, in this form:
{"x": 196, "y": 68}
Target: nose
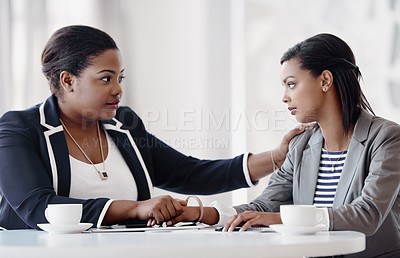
{"x": 117, "y": 89}
{"x": 285, "y": 98}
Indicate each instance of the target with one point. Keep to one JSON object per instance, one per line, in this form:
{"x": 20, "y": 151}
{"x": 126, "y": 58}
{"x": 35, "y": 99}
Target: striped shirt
{"x": 330, "y": 169}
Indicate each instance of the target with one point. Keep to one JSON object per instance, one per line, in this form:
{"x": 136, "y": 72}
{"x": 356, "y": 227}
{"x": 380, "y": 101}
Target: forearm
{"x": 210, "y": 216}
{"x": 120, "y": 210}
{"x": 262, "y": 164}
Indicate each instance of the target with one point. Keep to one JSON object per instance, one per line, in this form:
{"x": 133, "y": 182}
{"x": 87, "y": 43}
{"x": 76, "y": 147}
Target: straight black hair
{"x": 329, "y": 52}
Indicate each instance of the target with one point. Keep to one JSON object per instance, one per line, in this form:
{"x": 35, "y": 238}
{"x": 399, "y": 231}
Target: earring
{"x": 324, "y": 89}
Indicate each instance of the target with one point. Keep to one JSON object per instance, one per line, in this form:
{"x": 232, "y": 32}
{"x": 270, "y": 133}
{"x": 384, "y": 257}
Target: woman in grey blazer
{"x": 358, "y": 149}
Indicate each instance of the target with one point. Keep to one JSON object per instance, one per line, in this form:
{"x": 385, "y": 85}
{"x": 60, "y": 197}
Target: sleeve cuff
{"x": 103, "y": 213}
{"x": 246, "y": 170}
{"x": 224, "y": 212}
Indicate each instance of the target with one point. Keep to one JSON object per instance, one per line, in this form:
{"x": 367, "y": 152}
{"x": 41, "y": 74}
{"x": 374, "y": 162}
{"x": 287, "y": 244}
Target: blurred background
{"x": 204, "y": 74}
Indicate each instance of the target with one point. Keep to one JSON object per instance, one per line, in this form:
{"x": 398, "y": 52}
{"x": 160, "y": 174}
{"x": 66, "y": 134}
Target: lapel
{"x": 356, "y": 148}
{"x": 131, "y": 154}
{"x": 58, "y": 155}
{"x": 308, "y": 172}
{"x": 56, "y": 144}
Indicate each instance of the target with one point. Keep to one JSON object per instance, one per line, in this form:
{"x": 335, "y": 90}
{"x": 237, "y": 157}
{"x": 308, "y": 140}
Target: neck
{"x": 332, "y": 131}
{"x": 335, "y": 138}
{"x": 77, "y": 122}
{"x": 330, "y": 122}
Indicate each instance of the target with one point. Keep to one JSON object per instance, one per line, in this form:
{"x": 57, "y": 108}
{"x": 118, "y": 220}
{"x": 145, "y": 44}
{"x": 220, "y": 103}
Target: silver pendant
{"x": 103, "y": 175}
{"x": 333, "y": 168}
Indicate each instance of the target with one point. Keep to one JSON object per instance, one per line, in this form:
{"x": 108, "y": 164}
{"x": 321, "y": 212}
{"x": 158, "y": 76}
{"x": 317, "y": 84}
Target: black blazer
{"x": 35, "y": 168}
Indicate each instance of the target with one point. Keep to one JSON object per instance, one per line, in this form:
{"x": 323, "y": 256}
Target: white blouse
{"x": 86, "y": 182}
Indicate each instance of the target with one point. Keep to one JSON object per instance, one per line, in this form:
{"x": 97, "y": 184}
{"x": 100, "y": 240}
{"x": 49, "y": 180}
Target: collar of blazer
{"x": 310, "y": 160}
{"x": 361, "y": 129}
{"x": 59, "y": 157}
{"x": 356, "y": 149}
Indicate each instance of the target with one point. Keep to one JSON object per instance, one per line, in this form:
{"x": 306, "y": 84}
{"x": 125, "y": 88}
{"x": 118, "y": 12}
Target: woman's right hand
{"x": 281, "y": 150}
{"x": 252, "y": 218}
{"x": 161, "y": 208}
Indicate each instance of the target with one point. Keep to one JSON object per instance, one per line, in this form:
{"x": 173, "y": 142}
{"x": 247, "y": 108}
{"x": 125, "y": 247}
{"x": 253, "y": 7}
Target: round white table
{"x": 184, "y": 243}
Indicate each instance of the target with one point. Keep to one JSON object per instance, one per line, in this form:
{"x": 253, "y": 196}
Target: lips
{"x": 292, "y": 110}
{"x": 113, "y": 104}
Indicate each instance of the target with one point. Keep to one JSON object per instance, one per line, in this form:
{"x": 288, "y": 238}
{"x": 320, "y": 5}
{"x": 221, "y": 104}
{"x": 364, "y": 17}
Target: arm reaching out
{"x": 262, "y": 164}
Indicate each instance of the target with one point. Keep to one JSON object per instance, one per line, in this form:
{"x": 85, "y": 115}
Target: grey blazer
{"x": 367, "y": 198}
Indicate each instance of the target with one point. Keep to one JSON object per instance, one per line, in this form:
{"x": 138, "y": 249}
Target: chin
{"x": 108, "y": 115}
{"x": 304, "y": 120}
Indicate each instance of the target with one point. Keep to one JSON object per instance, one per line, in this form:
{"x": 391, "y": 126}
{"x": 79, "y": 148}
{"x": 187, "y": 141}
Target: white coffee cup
{"x": 63, "y": 214}
{"x": 300, "y": 215}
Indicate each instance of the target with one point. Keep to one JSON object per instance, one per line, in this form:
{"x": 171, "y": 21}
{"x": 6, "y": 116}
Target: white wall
{"x": 181, "y": 75}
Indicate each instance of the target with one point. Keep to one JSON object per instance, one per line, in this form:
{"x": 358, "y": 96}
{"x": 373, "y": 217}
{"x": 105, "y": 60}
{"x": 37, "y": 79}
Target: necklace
{"x": 337, "y": 160}
{"x": 103, "y": 174}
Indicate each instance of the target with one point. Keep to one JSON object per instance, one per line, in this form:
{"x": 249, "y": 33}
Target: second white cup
{"x": 63, "y": 214}
{"x": 300, "y": 215}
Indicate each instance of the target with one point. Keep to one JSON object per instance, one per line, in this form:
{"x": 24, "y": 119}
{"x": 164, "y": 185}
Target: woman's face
{"x": 97, "y": 91}
{"x": 302, "y": 91}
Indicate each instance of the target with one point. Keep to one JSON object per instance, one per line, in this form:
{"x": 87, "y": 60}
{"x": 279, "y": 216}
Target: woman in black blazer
{"x": 40, "y": 146}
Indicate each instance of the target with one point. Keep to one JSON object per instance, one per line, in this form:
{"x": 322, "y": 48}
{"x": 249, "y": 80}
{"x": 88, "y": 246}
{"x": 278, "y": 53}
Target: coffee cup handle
{"x": 46, "y": 214}
{"x": 320, "y": 215}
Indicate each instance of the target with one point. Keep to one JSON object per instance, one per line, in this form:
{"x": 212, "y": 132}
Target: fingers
{"x": 298, "y": 130}
{"x": 161, "y": 209}
{"x": 283, "y": 148}
{"x": 158, "y": 216}
{"x": 178, "y": 204}
{"x": 168, "y": 208}
{"x": 235, "y": 221}
{"x": 188, "y": 214}
{"x": 175, "y": 220}
{"x": 151, "y": 222}
{"x": 293, "y": 132}
{"x": 246, "y": 220}
{"x": 251, "y": 222}
{"x": 309, "y": 125}
{"x": 172, "y": 209}
{"x": 182, "y": 202}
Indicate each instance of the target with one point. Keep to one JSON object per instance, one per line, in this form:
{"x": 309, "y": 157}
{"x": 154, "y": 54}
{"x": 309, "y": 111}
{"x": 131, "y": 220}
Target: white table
{"x": 184, "y": 243}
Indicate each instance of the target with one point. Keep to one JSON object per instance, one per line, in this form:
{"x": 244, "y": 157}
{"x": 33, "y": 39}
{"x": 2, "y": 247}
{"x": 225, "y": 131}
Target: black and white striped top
{"x": 330, "y": 169}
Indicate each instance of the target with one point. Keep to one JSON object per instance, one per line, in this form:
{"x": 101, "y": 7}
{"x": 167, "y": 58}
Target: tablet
{"x": 144, "y": 228}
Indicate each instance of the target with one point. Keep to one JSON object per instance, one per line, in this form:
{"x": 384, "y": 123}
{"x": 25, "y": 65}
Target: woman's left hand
{"x": 252, "y": 218}
{"x": 189, "y": 213}
{"x": 184, "y": 215}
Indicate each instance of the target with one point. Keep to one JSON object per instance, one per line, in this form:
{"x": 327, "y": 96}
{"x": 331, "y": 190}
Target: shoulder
{"x": 382, "y": 128}
{"x": 379, "y": 123}
{"x": 20, "y": 127}
{"x": 308, "y": 138}
{"x": 369, "y": 126}
{"x": 128, "y": 118}
{"x": 125, "y": 111}
{"x": 17, "y": 118}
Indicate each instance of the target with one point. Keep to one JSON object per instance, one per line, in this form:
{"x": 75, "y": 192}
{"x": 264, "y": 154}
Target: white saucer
{"x": 65, "y": 229}
{"x": 293, "y": 230}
